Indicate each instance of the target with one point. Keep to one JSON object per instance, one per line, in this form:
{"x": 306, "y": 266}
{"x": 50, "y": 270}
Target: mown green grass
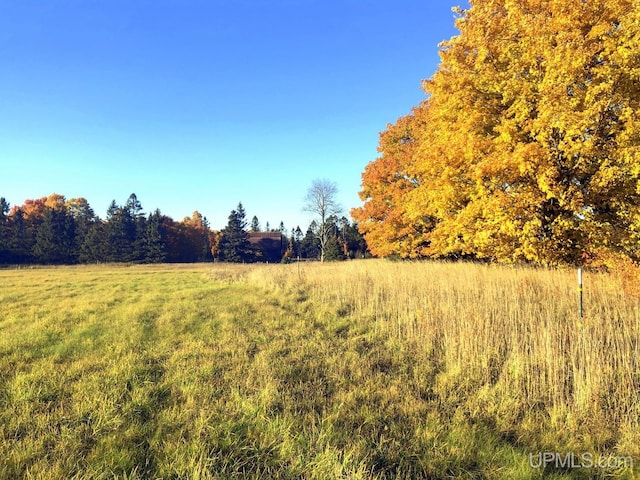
{"x": 193, "y": 372}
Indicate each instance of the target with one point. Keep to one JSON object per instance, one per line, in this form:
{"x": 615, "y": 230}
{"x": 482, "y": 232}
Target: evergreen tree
{"x": 333, "y": 249}
{"x": 120, "y": 233}
{"x": 84, "y": 217}
{"x": 293, "y": 244}
{"x": 310, "y": 245}
{"x": 154, "y": 242}
{"x": 4, "y": 208}
{"x": 206, "y": 255}
{"x": 139, "y": 246}
{"x": 133, "y": 209}
{"x": 5, "y": 254}
{"x": 241, "y": 216}
{"x": 19, "y": 239}
{"x": 133, "y": 205}
{"x": 235, "y": 246}
{"x": 94, "y": 247}
{"x": 296, "y": 241}
{"x": 255, "y": 224}
{"x": 334, "y": 246}
{"x": 355, "y": 242}
{"x": 112, "y": 210}
{"x": 55, "y": 238}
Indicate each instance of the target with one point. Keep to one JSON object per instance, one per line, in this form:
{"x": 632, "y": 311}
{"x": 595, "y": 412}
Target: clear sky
{"x": 197, "y": 105}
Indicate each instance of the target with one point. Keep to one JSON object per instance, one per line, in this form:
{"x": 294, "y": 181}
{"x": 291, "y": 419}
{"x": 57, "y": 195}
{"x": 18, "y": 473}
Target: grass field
{"x": 367, "y": 369}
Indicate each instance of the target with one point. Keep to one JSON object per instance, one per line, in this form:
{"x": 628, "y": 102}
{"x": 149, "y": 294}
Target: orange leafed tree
{"x": 384, "y": 218}
{"x": 531, "y": 149}
{"x": 31, "y": 209}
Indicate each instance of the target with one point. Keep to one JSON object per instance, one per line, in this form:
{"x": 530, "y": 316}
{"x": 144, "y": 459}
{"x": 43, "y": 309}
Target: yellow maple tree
{"x": 531, "y": 148}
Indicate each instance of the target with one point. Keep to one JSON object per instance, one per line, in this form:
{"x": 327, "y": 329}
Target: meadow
{"x": 360, "y": 370}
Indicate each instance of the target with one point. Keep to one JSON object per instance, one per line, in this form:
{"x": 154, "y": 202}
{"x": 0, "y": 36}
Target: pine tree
{"x": 84, "y": 217}
{"x": 94, "y": 248}
{"x": 19, "y": 238}
{"x": 155, "y": 248}
{"x": 235, "y": 246}
{"x": 5, "y": 232}
{"x": 139, "y": 246}
{"x": 133, "y": 209}
{"x": 310, "y": 245}
{"x": 334, "y": 247}
{"x": 333, "y": 250}
{"x": 205, "y": 241}
{"x": 121, "y": 234}
{"x": 133, "y": 205}
{"x": 355, "y": 243}
{"x": 55, "y": 238}
{"x": 296, "y": 241}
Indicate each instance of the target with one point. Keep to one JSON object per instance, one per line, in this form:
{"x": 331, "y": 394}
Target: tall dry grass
{"x": 355, "y": 370}
{"x": 508, "y": 341}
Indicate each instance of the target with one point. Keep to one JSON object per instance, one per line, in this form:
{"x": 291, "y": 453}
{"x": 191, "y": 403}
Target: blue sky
{"x": 197, "y": 105}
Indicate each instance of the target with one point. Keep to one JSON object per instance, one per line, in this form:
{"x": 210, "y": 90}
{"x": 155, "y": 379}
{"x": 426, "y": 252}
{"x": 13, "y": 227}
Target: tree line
{"x": 343, "y": 240}
{"x": 56, "y": 230}
{"x": 527, "y": 148}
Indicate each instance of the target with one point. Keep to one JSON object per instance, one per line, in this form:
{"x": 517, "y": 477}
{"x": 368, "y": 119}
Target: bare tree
{"x": 321, "y": 201}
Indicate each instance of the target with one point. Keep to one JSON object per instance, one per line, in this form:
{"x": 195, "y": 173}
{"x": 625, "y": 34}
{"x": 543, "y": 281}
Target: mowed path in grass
{"x": 175, "y": 372}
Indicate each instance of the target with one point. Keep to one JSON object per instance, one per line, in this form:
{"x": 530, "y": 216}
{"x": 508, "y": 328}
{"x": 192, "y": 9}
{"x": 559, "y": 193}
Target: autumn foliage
{"x": 54, "y": 230}
{"x": 527, "y": 148}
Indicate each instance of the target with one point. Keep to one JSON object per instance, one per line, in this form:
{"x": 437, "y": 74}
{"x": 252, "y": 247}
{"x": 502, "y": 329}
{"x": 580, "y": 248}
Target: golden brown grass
{"x": 509, "y": 341}
{"x": 359, "y": 370}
